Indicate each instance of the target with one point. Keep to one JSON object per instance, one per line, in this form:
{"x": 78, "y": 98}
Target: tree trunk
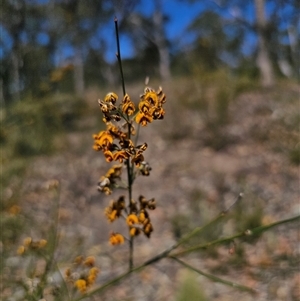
{"x": 15, "y": 74}
{"x": 263, "y": 58}
{"x": 161, "y": 43}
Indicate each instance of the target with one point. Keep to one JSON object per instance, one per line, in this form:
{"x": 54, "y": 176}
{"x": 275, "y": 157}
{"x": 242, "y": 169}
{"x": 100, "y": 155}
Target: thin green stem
{"x": 255, "y": 231}
{"x": 215, "y": 278}
{"x": 213, "y": 221}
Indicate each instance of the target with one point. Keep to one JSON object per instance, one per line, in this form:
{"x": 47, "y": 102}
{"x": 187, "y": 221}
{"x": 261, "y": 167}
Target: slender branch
{"x": 165, "y": 254}
{"x": 255, "y": 231}
{"x": 238, "y": 199}
{"x": 213, "y": 221}
{"x": 215, "y": 278}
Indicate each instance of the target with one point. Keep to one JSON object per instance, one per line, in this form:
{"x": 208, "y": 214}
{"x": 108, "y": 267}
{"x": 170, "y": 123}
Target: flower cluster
{"x": 138, "y": 220}
{"x": 113, "y": 152}
{"x": 30, "y": 245}
{"x": 150, "y": 106}
{"x": 117, "y": 145}
{"x": 83, "y": 274}
{"x": 107, "y": 182}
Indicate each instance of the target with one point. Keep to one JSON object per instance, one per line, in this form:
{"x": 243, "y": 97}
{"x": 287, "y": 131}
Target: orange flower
{"x": 21, "y": 250}
{"x": 27, "y": 241}
{"x": 102, "y": 140}
{"x": 143, "y": 118}
{"x": 142, "y": 216}
{"x": 42, "y": 243}
{"x": 137, "y": 159}
{"x": 114, "y": 172}
{"x": 89, "y": 261}
{"x": 158, "y": 113}
{"x": 111, "y": 97}
{"x": 128, "y": 106}
{"x": 132, "y": 219}
{"x": 144, "y": 106}
{"x": 151, "y": 98}
{"x": 148, "y": 228}
{"x": 81, "y": 285}
{"x": 121, "y": 155}
{"x": 116, "y": 239}
{"x": 93, "y": 272}
{"x": 108, "y": 156}
{"x": 111, "y": 215}
{"x": 134, "y": 231}
{"x": 105, "y": 139}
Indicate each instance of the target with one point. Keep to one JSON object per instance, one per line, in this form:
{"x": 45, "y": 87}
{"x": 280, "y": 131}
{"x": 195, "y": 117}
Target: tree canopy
{"x": 63, "y": 45}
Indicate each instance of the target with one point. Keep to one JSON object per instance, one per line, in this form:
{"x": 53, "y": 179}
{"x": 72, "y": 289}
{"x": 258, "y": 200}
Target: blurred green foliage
{"x": 29, "y": 126}
{"x": 190, "y": 289}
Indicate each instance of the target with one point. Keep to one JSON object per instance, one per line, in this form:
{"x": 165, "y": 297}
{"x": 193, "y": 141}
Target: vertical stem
{"x": 118, "y": 54}
{"x": 128, "y": 164}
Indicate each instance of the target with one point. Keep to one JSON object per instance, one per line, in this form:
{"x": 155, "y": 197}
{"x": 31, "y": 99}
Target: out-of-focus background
{"x": 230, "y": 70}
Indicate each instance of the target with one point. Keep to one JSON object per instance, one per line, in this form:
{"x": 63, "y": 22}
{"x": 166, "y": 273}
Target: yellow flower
{"x": 91, "y": 279}
{"x": 132, "y": 219}
{"x": 81, "y": 285}
{"x": 144, "y": 106}
{"x": 114, "y": 172}
{"x": 108, "y": 156}
{"x": 128, "y": 106}
{"x": 151, "y": 98}
{"x": 102, "y": 140}
{"x": 148, "y": 228}
{"x": 93, "y": 273}
{"x": 111, "y": 214}
{"x": 78, "y": 260}
{"x": 21, "y": 250}
{"x": 142, "y": 216}
{"x": 42, "y": 243}
{"x": 120, "y": 156}
{"x": 158, "y": 113}
{"x": 145, "y": 168}
{"x": 151, "y": 204}
{"x": 111, "y": 97}
{"x": 134, "y": 231}
{"x": 115, "y": 131}
{"x": 150, "y": 106}
{"x": 116, "y": 239}
{"x": 27, "y": 241}
{"x": 137, "y": 159}
{"x": 89, "y": 261}
{"x": 143, "y": 118}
